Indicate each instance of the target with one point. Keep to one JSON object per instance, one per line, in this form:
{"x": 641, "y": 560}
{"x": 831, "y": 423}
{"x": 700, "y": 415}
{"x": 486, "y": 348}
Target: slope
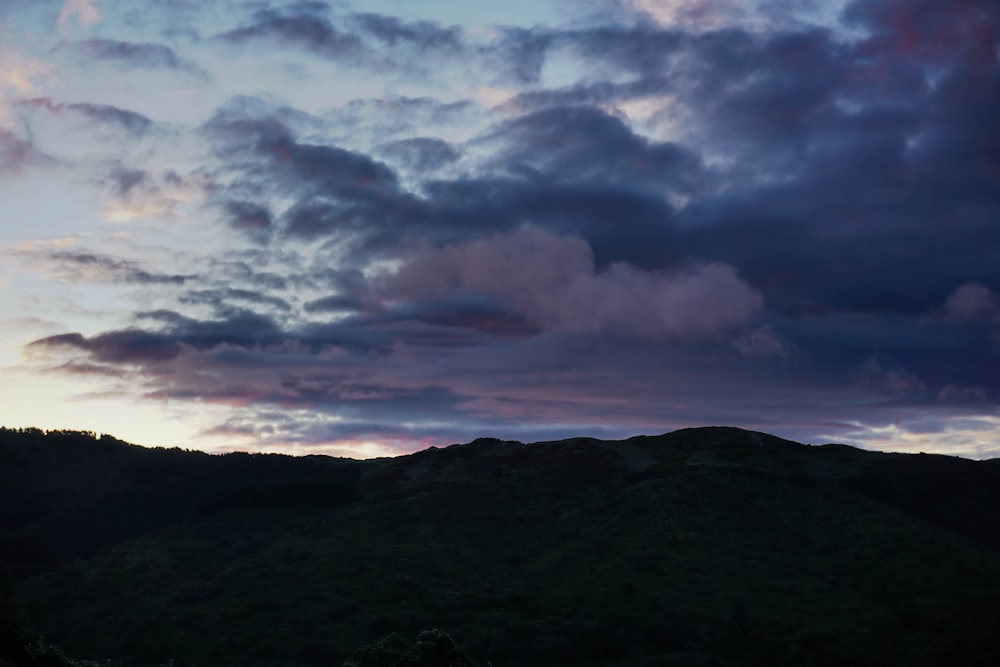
{"x": 703, "y": 546}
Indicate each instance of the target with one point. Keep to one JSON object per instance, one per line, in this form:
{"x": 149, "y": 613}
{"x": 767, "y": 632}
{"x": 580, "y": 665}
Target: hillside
{"x": 710, "y": 546}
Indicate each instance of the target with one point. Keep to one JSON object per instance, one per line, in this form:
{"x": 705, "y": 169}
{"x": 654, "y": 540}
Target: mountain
{"x": 708, "y": 546}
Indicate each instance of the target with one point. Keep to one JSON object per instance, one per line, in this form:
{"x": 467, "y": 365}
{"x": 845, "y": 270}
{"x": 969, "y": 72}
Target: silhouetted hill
{"x": 711, "y": 546}
{"x": 66, "y": 495}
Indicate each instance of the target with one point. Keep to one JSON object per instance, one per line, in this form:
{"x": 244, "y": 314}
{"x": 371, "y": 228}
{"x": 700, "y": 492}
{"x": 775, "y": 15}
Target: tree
{"x": 433, "y": 648}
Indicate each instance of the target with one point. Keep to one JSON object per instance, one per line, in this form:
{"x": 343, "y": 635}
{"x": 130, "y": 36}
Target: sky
{"x": 365, "y": 228}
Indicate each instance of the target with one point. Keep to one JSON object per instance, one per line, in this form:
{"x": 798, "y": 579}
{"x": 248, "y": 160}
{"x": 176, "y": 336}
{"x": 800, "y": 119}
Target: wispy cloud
{"x": 129, "y": 121}
{"x": 129, "y": 54}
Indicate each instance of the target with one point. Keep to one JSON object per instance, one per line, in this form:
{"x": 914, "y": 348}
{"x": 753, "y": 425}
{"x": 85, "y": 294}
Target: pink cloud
{"x": 14, "y": 152}
{"x": 552, "y": 281}
{"x": 83, "y": 12}
{"x": 972, "y": 301}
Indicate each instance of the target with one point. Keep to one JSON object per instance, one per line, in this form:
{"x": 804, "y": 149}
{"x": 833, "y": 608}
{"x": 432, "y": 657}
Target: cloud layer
{"x": 318, "y": 225}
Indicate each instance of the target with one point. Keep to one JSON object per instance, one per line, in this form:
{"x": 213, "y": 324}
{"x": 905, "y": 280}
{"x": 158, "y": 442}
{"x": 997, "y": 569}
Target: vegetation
{"x": 707, "y": 546}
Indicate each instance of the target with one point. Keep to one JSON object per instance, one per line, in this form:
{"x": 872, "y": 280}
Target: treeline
{"x": 65, "y": 495}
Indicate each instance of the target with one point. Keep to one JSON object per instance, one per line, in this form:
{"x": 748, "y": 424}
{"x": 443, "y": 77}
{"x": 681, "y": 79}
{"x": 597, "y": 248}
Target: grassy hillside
{"x": 699, "y": 547}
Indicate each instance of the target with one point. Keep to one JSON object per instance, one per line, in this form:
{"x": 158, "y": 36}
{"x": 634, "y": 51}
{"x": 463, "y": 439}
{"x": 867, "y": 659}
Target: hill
{"x": 711, "y": 546}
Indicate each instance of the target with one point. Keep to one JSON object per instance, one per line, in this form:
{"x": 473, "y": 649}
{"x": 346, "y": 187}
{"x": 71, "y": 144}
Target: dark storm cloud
{"x": 847, "y": 175}
{"x": 340, "y": 194}
{"x": 763, "y": 94}
{"x": 877, "y": 191}
{"x": 887, "y": 353}
{"x": 576, "y": 170}
{"x": 130, "y": 121}
{"x": 621, "y": 223}
{"x": 130, "y": 54}
{"x": 800, "y": 118}
{"x": 586, "y": 144}
{"x": 332, "y": 170}
{"x": 571, "y": 169}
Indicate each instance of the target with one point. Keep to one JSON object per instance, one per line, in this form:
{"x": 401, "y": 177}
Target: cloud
{"x": 91, "y": 267}
{"x": 134, "y": 194}
{"x": 84, "y": 12}
{"x": 519, "y": 54}
{"x": 20, "y": 75}
{"x": 253, "y": 219}
{"x": 131, "y": 346}
{"x": 691, "y": 14}
{"x": 629, "y": 189}
{"x": 425, "y": 37}
{"x": 131, "y": 54}
{"x": 130, "y": 121}
{"x": 238, "y": 327}
{"x": 762, "y": 342}
{"x": 340, "y": 303}
{"x": 963, "y": 395}
{"x": 583, "y": 143}
{"x": 395, "y": 115}
{"x": 308, "y": 31}
{"x": 925, "y": 31}
{"x": 973, "y": 301}
{"x": 223, "y": 300}
{"x": 17, "y": 153}
{"x": 242, "y": 134}
{"x": 336, "y": 194}
{"x": 628, "y": 53}
{"x": 364, "y": 39}
{"x": 420, "y": 154}
{"x": 553, "y": 283}
{"x": 873, "y": 375}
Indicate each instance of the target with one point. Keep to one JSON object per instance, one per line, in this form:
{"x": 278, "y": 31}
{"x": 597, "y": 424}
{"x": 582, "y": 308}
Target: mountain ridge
{"x": 726, "y": 546}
